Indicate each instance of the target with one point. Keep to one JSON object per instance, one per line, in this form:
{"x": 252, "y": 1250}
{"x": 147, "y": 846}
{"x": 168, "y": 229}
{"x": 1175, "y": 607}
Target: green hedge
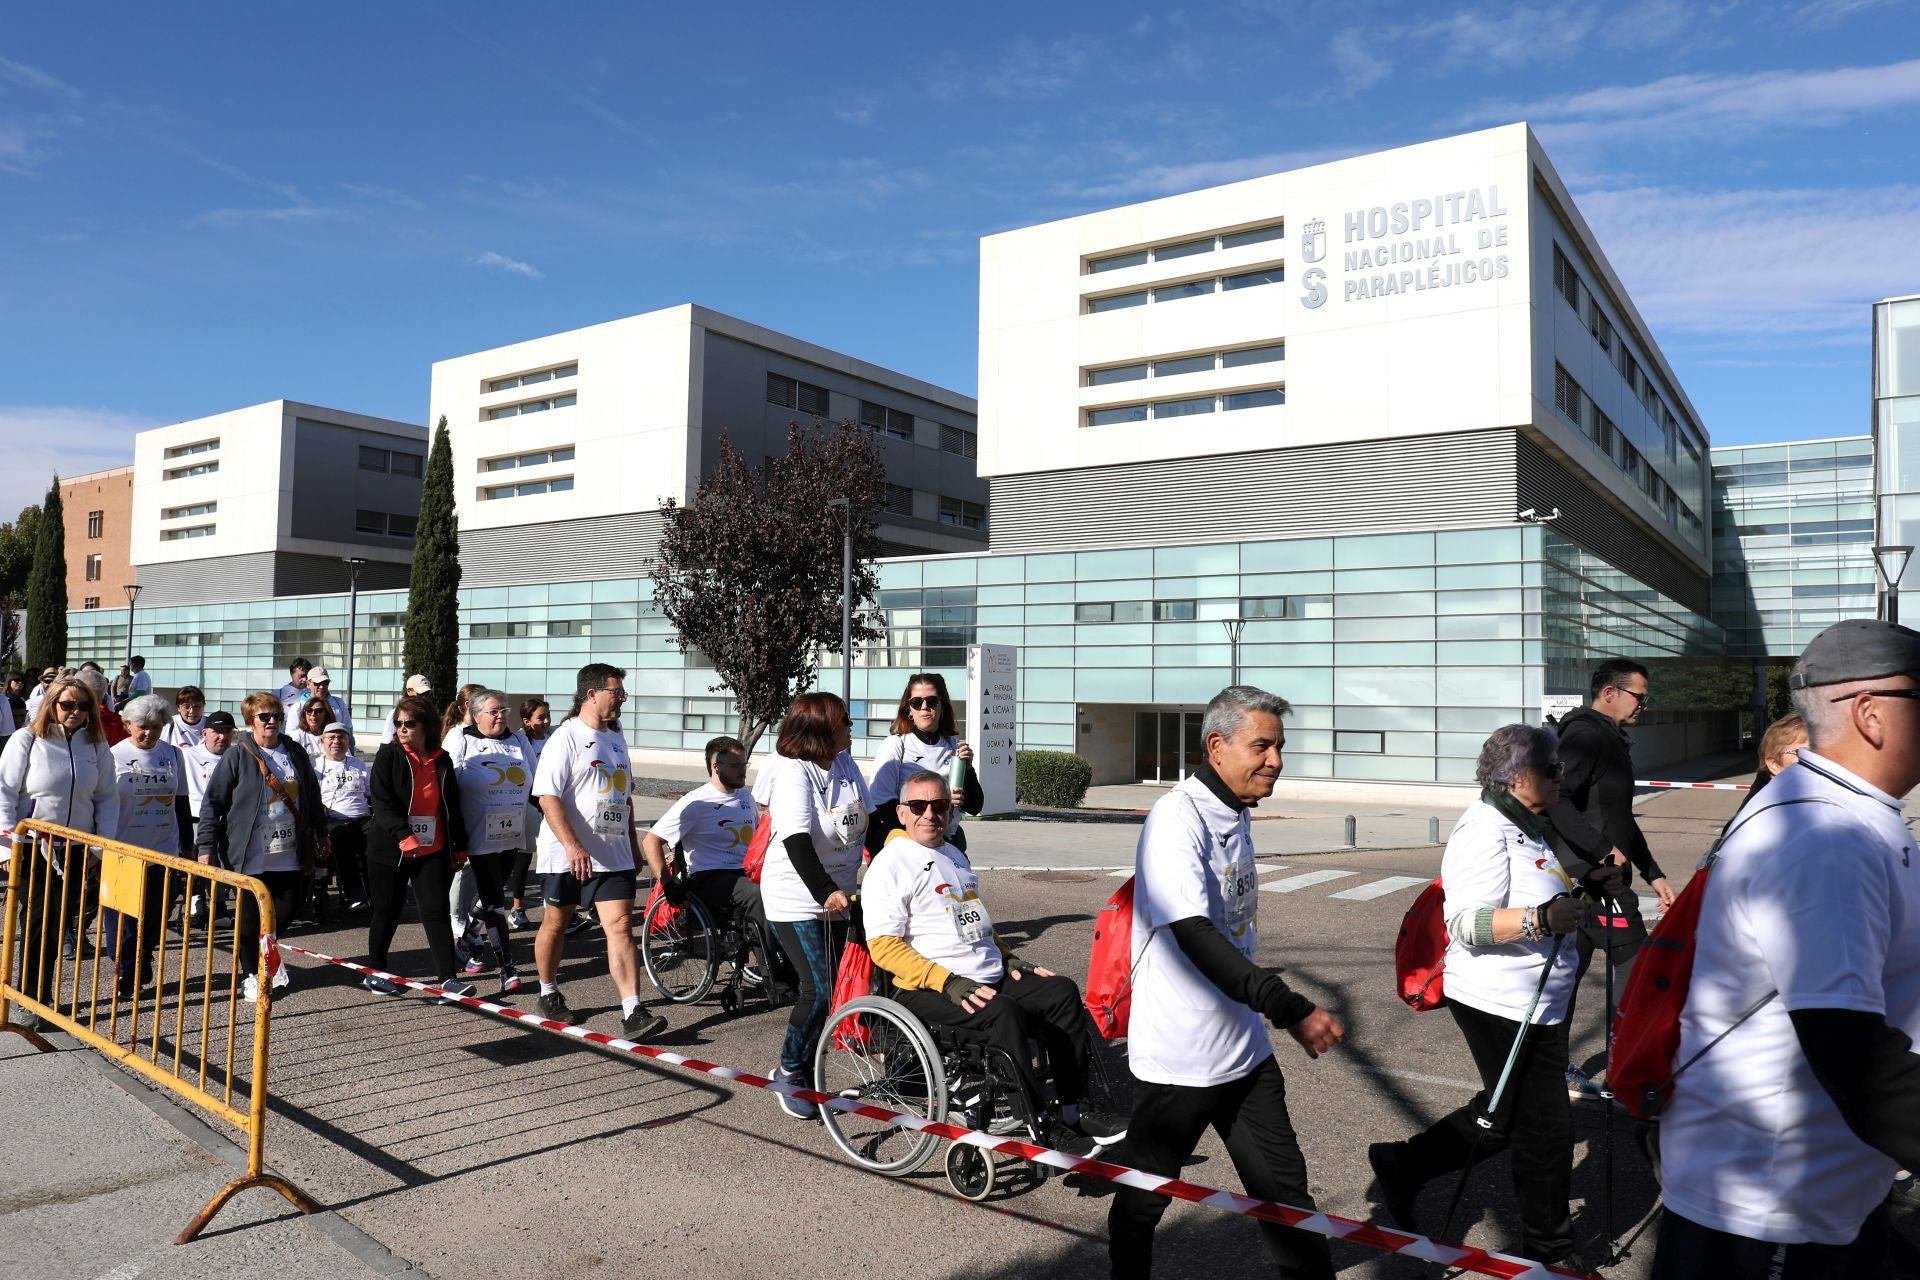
{"x": 1051, "y": 779}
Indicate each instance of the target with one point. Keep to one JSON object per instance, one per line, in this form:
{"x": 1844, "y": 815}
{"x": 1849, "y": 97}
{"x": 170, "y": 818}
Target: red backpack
{"x": 1420, "y": 952}
{"x": 756, "y": 859}
{"x": 1109, "y": 986}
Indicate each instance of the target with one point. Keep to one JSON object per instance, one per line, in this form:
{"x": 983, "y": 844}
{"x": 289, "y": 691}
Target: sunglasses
{"x": 941, "y": 808}
{"x": 406, "y": 724}
{"x": 68, "y": 704}
{"x": 267, "y": 717}
{"x": 924, "y": 704}
{"x": 618, "y": 695}
{"x": 1877, "y": 693}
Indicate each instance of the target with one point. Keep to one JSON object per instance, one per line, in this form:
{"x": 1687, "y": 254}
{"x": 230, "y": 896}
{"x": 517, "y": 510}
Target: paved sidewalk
{"x": 100, "y": 1173}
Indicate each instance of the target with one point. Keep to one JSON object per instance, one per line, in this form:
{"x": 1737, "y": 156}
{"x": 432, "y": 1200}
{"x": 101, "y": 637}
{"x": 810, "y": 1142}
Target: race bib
{"x": 610, "y": 818}
{"x": 282, "y": 840}
{"x": 971, "y": 921}
{"x": 506, "y": 830}
{"x": 1239, "y": 886}
{"x": 423, "y": 829}
{"x": 846, "y": 825}
{"x": 147, "y": 785}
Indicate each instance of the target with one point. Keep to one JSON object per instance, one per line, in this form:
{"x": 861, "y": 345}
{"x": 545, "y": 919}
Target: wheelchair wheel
{"x": 679, "y": 954}
{"x": 970, "y": 1171}
{"x": 874, "y": 1051}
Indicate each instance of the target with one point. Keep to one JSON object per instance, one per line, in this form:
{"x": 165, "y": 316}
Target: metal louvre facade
{"x": 560, "y": 550}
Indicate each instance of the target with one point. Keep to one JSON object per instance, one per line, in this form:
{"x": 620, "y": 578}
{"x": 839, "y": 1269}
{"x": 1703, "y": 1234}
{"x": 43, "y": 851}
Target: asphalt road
{"x": 471, "y": 1146}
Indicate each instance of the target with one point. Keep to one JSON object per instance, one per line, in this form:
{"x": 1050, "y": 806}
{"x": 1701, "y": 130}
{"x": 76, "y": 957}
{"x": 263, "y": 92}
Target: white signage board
{"x": 992, "y": 687}
{"x": 1555, "y": 705}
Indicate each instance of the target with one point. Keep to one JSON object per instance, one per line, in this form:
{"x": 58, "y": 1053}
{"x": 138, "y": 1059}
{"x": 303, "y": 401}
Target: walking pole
{"x": 1614, "y": 919}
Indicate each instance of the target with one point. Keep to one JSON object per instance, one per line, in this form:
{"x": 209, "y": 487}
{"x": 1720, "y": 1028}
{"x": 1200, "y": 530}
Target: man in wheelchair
{"x": 927, "y": 926}
{"x": 712, "y": 825}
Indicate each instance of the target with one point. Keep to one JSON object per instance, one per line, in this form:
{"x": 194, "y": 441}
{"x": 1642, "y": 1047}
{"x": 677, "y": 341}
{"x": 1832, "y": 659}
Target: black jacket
{"x": 391, "y": 796}
{"x": 236, "y": 802}
{"x": 1595, "y": 811}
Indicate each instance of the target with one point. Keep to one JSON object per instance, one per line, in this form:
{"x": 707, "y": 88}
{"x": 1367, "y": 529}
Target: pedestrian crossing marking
{"x": 1305, "y": 880}
{"x": 1380, "y": 888}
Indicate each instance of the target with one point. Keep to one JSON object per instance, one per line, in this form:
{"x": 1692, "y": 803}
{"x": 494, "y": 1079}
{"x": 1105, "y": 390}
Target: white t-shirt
{"x": 294, "y": 701}
{"x": 496, "y": 780}
{"x": 1491, "y": 862}
{"x": 142, "y": 684}
{"x": 1195, "y": 858}
{"x": 930, "y": 900}
{"x": 714, "y": 827}
{"x": 199, "y": 764}
{"x": 184, "y": 735}
{"x": 1820, "y": 902}
{"x": 903, "y": 755}
{"x": 346, "y": 786}
{"x": 148, "y": 782}
{"x": 830, "y": 807}
{"x": 275, "y": 845}
{"x": 589, "y": 771}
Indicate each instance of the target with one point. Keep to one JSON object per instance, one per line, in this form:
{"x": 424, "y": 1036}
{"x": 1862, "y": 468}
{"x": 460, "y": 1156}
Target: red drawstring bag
{"x": 756, "y": 859}
{"x": 1109, "y": 987}
{"x": 666, "y": 920}
{"x": 1420, "y": 952}
{"x": 854, "y": 980}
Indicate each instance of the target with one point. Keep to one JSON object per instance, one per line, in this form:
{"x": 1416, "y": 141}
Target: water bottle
{"x": 956, "y": 774}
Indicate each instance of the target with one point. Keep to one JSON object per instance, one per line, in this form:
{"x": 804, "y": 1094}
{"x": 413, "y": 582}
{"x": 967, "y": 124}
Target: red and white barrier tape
{"x": 1479, "y": 1261}
{"x": 1697, "y": 786}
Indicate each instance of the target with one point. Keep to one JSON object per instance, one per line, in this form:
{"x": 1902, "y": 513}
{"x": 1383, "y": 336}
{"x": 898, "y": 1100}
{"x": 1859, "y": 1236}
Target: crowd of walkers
{"x": 1797, "y": 1106}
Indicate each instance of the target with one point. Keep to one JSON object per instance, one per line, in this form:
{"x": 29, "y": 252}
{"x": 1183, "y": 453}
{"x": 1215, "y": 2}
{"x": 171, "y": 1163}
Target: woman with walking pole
{"x": 1509, "y": 907}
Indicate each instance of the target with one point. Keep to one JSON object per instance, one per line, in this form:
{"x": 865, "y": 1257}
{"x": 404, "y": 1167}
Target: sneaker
{"x": 1063, "y": 1137}
{"x": 474, "y": 964}
{"x": 382, "y": 986}
{"x": 642, "y": 1024}
{"x": 250, "y": 989}
{"x": 555, "y": 1007}
{"x": 509, "y": 980}
{"x": 282, "y": 979}
{"x": 517, "y": 919}
{"x": 798, "y": 1108}
{"x": 1398, "y": 1191}
{"x": 25, "y": 1018}
{"x": 1103, "y": 1127}
{"x": 197, "y": 909}
{"x": 460, "y": 954}
{"x": 358, "y": 904}
{"x": 1580, "y": 1084}
{"x": 67, "y": 947}
{"x": 453, "y": 988}
{"x": 580, "y": 923}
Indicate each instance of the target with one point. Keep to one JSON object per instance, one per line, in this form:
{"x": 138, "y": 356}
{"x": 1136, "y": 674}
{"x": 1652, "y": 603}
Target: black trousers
{"x": 1534, "y": 1125}
{"x": 120, "y": 932}
{"x": 349, "y": 839}
{"x": 730, "y": 895}
{"x": 284, "y": 887}
{"x": 1047, "y": 1007}
{"x": 490, "y": 900}
{"x": 517, "y": 868}
{"x": 1250, "y": 1115}
{"x": 42, "y": 923}
{"x": 1685, "y": 1249}
{"x": 432, "y": 879}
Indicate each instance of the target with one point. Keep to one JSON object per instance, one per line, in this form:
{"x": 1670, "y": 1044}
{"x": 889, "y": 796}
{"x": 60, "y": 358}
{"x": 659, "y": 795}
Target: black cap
{"x": 218, "y": 720}
{"x": 1858, "y": 649}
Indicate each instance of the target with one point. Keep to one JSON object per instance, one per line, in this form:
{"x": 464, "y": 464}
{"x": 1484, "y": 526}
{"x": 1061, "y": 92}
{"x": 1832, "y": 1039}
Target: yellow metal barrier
{"x": 70, "y": 894}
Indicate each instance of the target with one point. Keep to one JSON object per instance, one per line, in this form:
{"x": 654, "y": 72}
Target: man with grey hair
{"x": 1198, "y": 1044}
{"x": 1802, "y": 1096}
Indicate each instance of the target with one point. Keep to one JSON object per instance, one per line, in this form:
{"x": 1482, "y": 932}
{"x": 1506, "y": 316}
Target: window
{"x": 197, "y": 469}
{"x": 893, "y": 422}
{"x": 1253, "y": 355}
{"x": 1601, "y": 328}
{"x": 1255, "y": 399}
{"x": 969, "y": 515}
{"x": 1114, "y": 262}
{"x": 1248, "y": 279}
{"x": 187, "y": 639}
{"x": 541, "y": 459}
{"x": 195, "y": 531}
{"x": 1120, "y": 373}
{"x": 1116, "y": 611}
{"x": 187, "y": 450}
{"x": 1117, "y": 302}
{"x": 1566, "y": 394}
{"x": 527, "y": 488}
{"x": 791, "y": 393}
{"x": 533, "y": 406}
{"x": 1268, "y": 607}
{"x": 391, "y": 461}
{"x": 530, "y": 379}
{"x": 1173, "y": 366}
{"x": 1173, "y": 611}
{"x": 386, "y": 524}
{"x": 1113, "y": 417}
{"x": 1183, "y": 364}
{"x": 91, "y": 602}
{"x": 1371, "y": 741}
{"x": 1564, "y": 279}
{"x": 94, "y": 519}
{"x": 1253, "y": 235}
{"x": 1190, "y": 406}
{"x": 1190, "y": 248}
{"x": 1184, "y": 289}
{"x": 1182, "y": 408}
{"x": 1093, "y": 612}
{"x": 93, "y": 568}
{"x": 897, "y": 500}
{"x": 519, "y": 630}
{"x": 1184, "y": 249}
{"x": 195, "y": 509}
{"x": 964, "y": 443}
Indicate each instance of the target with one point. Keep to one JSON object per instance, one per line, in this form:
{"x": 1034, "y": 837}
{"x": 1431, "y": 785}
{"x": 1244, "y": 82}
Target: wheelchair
{"x": 686, "y": 952}
{"x": 876, "y": 1050}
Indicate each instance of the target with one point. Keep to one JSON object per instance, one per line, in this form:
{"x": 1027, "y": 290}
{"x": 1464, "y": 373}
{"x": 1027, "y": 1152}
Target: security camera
{"x": 1529, "y": 515}
{"x": 1532, "y": 515}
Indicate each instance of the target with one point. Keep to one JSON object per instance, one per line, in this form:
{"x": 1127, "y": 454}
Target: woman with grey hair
{"x": 152, "y": 782}
{"x": 494, "y": 763}
{"x": 1507, "y": 900}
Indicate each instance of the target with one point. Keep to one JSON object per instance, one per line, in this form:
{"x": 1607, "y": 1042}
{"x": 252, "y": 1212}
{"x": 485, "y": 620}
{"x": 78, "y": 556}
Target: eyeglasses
{"x": 941, "y": 808}
{"x": 1877, "y": 693}
{"x": 68, "y": 704}
{"x": 924, "y": 704}
{"x": 492, "y": 711}
{"x": 618, "y": 695}
{"x": 267, "y": 717}
{"x": 406, "y": 724}
{"x": 1642, "y": 699}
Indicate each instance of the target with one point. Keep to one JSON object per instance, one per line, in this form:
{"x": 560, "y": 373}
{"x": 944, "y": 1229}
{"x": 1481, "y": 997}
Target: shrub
{"x": 1051, "y": 779}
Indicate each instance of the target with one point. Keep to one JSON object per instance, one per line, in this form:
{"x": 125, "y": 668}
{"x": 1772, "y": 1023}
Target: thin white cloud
{"x": 34, "y": 78}
{"x": 1029, "y": 70}
{"x": 857, "y": 112}
{"x": 1169, "y": 179}
{"x": 1825, "y": 13}
{"x": 43, "y": 439}
{"x": 1521, "y": 36}
{"x": 20, "y": 149}
{"x": 380, "y": 195}
{"x": 284, "y": 215}
{"x": 502, "y": 262}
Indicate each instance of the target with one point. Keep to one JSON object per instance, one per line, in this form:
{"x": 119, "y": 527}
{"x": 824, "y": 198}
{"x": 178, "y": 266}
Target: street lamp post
{"x": 1234, "y": 627}
{"x": 133, "y": 593}
{"x": 1892, "y": 563}
{"x": 846, "y": 601}
{"x": 354, "y": 564}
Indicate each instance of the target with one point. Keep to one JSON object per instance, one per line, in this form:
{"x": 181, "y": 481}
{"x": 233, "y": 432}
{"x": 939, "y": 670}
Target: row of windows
{"x": 1571, "y": 400}
{"x": 1775, "y": 471}
{"x": 1173, "y": 366}
{"x": 198, "y": 446}
{"x": 95, "y": 522}
{"x": 195, "y": 531}
{"x": 1186, "y": 248}
{"x": 893, "y": 422}
{"x": 390, "y": 524}
{"x": 198, "y": 469}
{"x": 964, "y": 443}
{"x": 791, "y": 393}
{"x": 530, "y": 379}
{"x": 541, "y": 459}
{"x": 566, "y": 401}
{"x": 1255, "y": 607}
{"x": 180, "y": 513}
{"x": 1275, "y": 274}
{"x": 524, "y": 630}
{"x": 185, "y": 639}
{"x": 1567, "y": 282}
{"x": 396, "y": 462}
{"x": 527, "y": 488}
{"x": 1258, "y": 398}
{"x": 970, "y": 515}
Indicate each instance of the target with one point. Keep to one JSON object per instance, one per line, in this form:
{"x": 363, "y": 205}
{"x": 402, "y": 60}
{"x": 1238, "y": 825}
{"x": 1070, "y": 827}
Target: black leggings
{"x": 813, "y": 947}
{"x": 490, "y": 909}
{"x": 349, "y": 839}
{"x": 518, "y": 866}
{"x": 283, "y": 887}
{"x": 432, "y": 879}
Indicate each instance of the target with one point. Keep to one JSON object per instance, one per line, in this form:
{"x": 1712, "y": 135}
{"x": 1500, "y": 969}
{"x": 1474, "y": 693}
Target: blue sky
{"x": 203, "y": 207}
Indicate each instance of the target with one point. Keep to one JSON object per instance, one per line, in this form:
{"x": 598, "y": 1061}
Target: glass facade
{"x": 1896, "y": 422}
{"x": 1793, "y": 533}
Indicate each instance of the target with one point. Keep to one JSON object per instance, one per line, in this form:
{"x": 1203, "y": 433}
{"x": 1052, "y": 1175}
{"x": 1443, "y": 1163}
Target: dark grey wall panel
{"x": 329, "y": 487}
{"x": 297, "y": 574}
{"x": 560, "y": 550}
{"x": 248, "y": 577}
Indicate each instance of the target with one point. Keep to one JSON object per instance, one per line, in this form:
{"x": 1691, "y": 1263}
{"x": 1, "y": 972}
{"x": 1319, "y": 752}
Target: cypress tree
{"x": 47, "y": 587}
{"x": 432, "y": 644}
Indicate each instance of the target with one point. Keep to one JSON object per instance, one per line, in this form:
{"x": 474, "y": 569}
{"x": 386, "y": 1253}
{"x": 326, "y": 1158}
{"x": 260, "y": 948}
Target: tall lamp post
{"x": 1892, "y": 563}
{"x": 354, "y": 565}
{"x": 846, "y": 601}
{"x": 1234, "y": 627}
{"x": 133, "y": 593}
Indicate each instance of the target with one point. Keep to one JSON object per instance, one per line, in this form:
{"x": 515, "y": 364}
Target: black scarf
{"x": 1530, "y": 823}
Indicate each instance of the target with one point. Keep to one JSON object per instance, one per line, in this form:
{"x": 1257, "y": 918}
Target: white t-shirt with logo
{"x": 1195, "y": 858}
{"x": 903, "y": 755}
{"x": 714, "y": 827}
{"x": 184, "y": 735}
{"x": 149, "y": 781}
{"x": 589, "y": 771}
{"x": 930, "y": 900}
{"x": 496, "y": 781}
{"x": 829, "y": 806}
{"x": 198, "y": 764}
{"x": 346, "y": 786}
{"x": 275, "y": 845}
{"x": 1820, "y": 902}
{"x": 1491, "y": 862}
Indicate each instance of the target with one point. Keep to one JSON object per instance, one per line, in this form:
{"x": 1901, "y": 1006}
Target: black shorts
{"x": 565, "y": 890}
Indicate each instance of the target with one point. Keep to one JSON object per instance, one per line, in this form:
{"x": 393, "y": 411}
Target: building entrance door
{"x": 1167, "y": 745}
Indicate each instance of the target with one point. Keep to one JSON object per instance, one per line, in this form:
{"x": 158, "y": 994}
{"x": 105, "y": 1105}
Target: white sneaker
{"x": 250, "y": 989}
{"x": 798, "y": 1108}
